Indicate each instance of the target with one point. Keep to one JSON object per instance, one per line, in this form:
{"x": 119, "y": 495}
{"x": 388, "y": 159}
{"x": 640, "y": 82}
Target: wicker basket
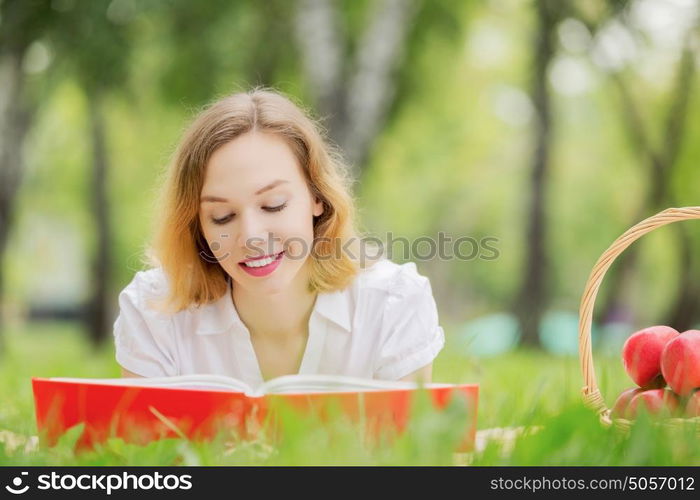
{"x": 591, "y": 394}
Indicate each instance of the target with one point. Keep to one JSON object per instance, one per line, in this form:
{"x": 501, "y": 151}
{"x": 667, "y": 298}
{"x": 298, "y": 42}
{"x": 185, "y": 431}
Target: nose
{"x": 252, "y": 235}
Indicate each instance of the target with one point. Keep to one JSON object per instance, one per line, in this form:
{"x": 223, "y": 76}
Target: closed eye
{"x": 226, "y": 219}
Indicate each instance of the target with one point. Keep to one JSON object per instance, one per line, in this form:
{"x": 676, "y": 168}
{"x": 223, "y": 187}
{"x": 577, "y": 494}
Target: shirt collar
{"x": 335, "y": 307}
{"x": 220, "y": 315}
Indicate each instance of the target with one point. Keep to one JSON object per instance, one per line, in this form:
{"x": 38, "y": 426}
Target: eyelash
{"x": 269, "y": 209}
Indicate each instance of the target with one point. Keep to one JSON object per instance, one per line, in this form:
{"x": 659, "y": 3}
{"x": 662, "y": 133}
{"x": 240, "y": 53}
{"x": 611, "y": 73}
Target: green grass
{"x": 524, "y": 389}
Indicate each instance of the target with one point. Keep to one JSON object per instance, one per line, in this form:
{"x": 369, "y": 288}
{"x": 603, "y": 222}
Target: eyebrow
{"x": 260, "y": 191}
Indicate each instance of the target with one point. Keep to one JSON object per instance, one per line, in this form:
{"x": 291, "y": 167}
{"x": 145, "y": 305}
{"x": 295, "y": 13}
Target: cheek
{"x": 218, "y": 240}
{"x": 300, "y": 244}
{"x": 302, "y": 221}
{"x": 205, "y": 228}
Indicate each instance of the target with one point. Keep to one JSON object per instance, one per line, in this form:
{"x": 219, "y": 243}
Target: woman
{"x": 258, "y": 269}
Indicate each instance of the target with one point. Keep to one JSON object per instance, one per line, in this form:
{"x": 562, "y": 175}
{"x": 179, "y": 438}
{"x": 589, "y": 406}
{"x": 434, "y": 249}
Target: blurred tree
{"x": 532, "y": 298}
{"x": 271, "y": 50}
{"x": 91, "y": 38}
{"x": 196, "y": 52}
{"x": 22, "y": 22}
{"x": 354, "y": 91}
{"x": 224, "y": 45}
{"x": 351, "y": 71}
{"x": 661, "y": 161}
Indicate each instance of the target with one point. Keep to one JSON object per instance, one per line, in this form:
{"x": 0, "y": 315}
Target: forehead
{"x": 248, "y": 162}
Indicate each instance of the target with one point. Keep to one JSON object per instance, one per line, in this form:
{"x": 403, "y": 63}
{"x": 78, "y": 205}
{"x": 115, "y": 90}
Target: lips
{"x": 274, "y": 255}
{"x": 265, "y": 268}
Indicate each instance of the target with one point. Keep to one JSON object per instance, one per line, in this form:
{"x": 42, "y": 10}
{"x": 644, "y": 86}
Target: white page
{"x": 286, "y": 384}
{"x": 333, "y": 383}
{"x": 198, "y": 381}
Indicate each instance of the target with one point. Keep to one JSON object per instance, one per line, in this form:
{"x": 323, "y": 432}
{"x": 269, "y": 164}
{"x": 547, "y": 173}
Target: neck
{"x": 276, "y": 316}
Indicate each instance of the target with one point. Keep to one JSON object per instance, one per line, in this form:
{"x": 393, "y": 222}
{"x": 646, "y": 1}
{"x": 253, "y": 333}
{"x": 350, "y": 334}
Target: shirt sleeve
{"x": 144, "y": 337}
{"x": 411, "y": 335}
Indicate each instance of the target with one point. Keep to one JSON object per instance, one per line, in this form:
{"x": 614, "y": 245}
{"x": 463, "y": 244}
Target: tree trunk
{"x": 372, "y": 86}
{"x": 532, "y": 298}
{"x": 661, "y": 166}
{"x": 356, "y": 98}
{"x": 15, "y": 118}
{"x": 98, "y": 319}
{"x": 322, "y": 48}
{"x": 684, "y": 312}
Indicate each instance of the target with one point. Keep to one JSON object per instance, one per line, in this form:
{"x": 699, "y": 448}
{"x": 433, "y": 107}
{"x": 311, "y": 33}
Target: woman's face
{"x": 255, "y": 202}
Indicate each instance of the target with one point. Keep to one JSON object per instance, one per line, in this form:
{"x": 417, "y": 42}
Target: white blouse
{"x": 383, "y": 326}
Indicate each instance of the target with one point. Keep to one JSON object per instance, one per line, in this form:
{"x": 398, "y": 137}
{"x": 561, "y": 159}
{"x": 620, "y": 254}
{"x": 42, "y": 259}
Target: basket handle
{"x": 591, "y": 394}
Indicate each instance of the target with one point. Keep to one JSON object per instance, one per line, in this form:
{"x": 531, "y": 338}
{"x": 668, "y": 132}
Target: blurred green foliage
{"x": 545, "y": 406}
{"x": 452, "y": 157}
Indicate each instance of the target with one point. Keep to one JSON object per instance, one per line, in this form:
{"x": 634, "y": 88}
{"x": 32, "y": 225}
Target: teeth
{"x": 259, "y": 263}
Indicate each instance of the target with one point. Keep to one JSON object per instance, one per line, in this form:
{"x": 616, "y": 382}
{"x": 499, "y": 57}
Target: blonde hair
{"x": 178, "y": 241}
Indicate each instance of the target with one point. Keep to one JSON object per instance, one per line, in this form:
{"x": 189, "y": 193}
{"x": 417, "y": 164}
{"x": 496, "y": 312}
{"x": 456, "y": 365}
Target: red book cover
{"x": 141, "y": 413}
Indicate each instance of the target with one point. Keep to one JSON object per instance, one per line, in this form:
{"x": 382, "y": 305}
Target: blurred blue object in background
{"x": 613, "y": 337}
{"x": 559, "y": 333}
{"x": 489, "y": 335}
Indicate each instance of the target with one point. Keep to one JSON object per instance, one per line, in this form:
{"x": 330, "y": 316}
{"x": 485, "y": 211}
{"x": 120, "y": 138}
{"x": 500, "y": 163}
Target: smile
{"x": 262, "y": 267}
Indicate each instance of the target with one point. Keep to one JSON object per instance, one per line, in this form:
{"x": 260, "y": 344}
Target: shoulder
{"x": 146, "y": 291}
{"x": 146, "y": 296}
{"x": 150, "y": 282}
{"x": 400, "y": 310}
{"x": 387, "y": 292}
{"x": 144, "y": 335}
{"x": 392, "y": 280}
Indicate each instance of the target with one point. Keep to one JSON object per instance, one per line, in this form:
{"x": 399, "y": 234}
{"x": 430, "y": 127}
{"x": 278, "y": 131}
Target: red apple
{"x": 641, "y": 355}
{"x": 680, "y": 362}
{"x": 619, "y": 409}
{"x": 654, "y": 401}
{"x": 692, "y": 407}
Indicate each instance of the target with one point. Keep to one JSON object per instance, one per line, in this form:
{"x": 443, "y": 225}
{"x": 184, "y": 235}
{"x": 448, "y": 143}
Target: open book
{"x": 200, "y": 406}
{"x": 287, "y": 384}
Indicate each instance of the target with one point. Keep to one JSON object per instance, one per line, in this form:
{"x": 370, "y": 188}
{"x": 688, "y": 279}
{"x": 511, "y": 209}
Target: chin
{"x": 269, "y": 287}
